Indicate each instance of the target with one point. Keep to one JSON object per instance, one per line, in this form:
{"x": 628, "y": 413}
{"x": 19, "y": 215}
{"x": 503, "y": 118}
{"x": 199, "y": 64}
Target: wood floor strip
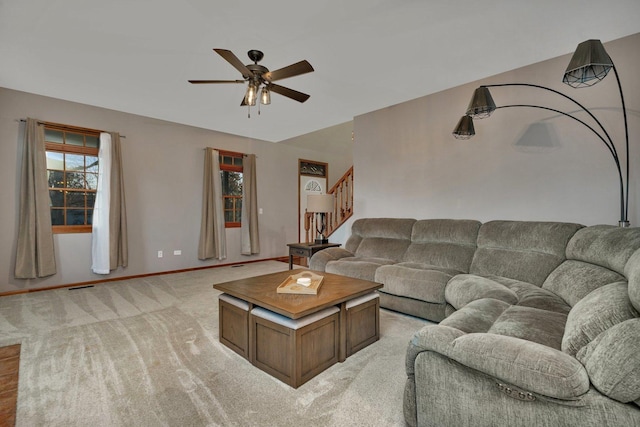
{"x": 9, "y": 367}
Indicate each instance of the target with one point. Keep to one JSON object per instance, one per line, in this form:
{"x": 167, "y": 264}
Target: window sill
{"x": 69, "y": 229}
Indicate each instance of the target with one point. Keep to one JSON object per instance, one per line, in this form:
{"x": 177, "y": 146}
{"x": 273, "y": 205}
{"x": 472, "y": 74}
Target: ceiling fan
{"x": 259, "y": 77}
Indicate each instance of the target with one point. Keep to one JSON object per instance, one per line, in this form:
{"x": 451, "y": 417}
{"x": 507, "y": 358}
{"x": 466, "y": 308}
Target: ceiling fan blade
{"x": 289, "y": 93}
{"x": 197, "y": 82}
{"x": 233, "y": 60}
{"x": 296, "y": 69}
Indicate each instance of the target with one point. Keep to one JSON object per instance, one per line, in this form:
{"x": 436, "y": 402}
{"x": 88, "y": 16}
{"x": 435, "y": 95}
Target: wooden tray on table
{"x": 291, "y": 286}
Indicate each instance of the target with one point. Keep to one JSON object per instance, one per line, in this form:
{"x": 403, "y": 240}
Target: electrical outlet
{"x": 177, "y": 252}
{"x": 160, "y": 254}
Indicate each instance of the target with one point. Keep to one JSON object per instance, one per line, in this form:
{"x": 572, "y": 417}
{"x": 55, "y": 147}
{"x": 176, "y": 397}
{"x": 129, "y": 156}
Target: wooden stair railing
{"x": 342, "y": 208}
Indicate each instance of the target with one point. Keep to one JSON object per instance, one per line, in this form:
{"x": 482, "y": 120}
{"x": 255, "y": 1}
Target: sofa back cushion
{"x": 386, "y": 238}
{"x": 523, "y": 250}
{"x": 448, "y": 243}
{"x": 605, "y": 245}
{"x": 573, "y": 280}
{"x": 632, "y": 271}
{"x": 612, "y": 361}
{"x": 602, "y": 309}
{"x": 602, "y": 327}
{"x": 596, "y": 256}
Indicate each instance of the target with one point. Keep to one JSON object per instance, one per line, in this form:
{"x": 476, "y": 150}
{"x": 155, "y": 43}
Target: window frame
{"x": 231, "y": 168}
{"x": 73, "y": 150}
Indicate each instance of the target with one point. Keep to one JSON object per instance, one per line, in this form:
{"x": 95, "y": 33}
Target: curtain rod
{"x": 227, "y": 151}
{"x": 62, "y": 125}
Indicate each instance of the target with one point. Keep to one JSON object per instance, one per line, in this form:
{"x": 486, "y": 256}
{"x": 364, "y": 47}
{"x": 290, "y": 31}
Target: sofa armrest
{"x": 524, "y": 364}
{"x": 430, "y": 338}
{"x": 320, "y": 259}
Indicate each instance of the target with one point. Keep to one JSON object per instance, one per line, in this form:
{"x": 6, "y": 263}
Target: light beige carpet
{"x": 145, "y": 352}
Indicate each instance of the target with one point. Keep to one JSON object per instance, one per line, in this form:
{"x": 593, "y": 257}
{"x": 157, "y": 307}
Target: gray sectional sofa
{"x": 539, "y": 322}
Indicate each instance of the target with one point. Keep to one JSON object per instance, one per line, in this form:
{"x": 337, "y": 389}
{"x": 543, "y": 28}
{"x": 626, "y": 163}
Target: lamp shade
{"x": 481, "y": 104}
{"x": 319, "y": 203}
{"x": 589, "y": 64}
{"x": 464, "y": 129}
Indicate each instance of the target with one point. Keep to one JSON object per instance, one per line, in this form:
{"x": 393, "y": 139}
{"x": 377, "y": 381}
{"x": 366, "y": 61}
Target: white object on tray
{"x": 304, "y": 281}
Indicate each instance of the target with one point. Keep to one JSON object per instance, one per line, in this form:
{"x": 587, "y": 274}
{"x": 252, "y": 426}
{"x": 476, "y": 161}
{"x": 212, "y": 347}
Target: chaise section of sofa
{"x": 559, "y": 347}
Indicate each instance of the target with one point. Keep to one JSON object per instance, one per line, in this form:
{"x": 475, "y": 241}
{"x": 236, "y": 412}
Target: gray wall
{"x": 523, "y": 164}
{"x": 163, "y": 164}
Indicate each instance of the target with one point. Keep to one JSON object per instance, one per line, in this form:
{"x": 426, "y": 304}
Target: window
{"x": 72, "y": 171}
{"x": 231, "y": 174}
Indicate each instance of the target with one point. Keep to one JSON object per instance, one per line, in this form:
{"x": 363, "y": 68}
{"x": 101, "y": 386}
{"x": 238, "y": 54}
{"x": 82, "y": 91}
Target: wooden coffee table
{"x": 260, "y": 291}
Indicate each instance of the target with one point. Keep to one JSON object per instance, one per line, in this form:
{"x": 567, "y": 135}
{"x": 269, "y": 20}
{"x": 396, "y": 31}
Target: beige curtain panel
{"x": 34, "y": 250}
{"x": 249, "y": 230}
{"x": 213, "y": 242}
{"x": 118, "y": 235}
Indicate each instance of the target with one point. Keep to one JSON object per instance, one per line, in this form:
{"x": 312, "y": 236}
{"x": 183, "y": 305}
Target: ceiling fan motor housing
{"x": 255, "y": 55}
{"x": 258, "y": 70}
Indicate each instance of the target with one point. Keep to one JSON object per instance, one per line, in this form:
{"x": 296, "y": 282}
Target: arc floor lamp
{"x": 590, "y": 64}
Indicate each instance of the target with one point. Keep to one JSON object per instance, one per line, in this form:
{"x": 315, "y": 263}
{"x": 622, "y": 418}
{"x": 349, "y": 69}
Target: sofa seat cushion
{"x": 357, "y": 267}
{"x": 533, "y": 296}
{"x": 531, "y": 324}
{"x": 422, "y": 266}
{"x": 493, "y": 316}
{"x": 600, "y": 310}
{"x": 464, "y": 288}
{"x": 476, "y": 317}
{"x": 413, "y": 281}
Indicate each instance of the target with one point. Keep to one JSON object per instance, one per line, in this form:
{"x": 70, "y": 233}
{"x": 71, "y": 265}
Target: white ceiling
{"x": 136, "y": 55}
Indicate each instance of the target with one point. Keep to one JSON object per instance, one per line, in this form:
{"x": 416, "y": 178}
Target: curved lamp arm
{"x": 589, "y": 64}
{"x": 482, "y": 105}
{"x": 611, "y": 145}
{"x": 626, "y": 136}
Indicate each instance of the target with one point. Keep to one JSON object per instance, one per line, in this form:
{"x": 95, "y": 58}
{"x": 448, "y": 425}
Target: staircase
{"x": 342, "y": 208}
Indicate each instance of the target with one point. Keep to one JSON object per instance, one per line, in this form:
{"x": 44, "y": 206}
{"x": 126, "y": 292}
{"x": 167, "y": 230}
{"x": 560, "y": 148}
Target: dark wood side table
{"x": 306, "y": 250}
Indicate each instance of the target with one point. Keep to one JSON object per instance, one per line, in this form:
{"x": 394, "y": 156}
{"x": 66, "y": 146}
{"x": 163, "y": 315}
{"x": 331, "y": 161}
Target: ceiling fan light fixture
{"x": 259, "y": 79}
{"x": 251, "y": 95}
{"x": 265, "y": 96}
